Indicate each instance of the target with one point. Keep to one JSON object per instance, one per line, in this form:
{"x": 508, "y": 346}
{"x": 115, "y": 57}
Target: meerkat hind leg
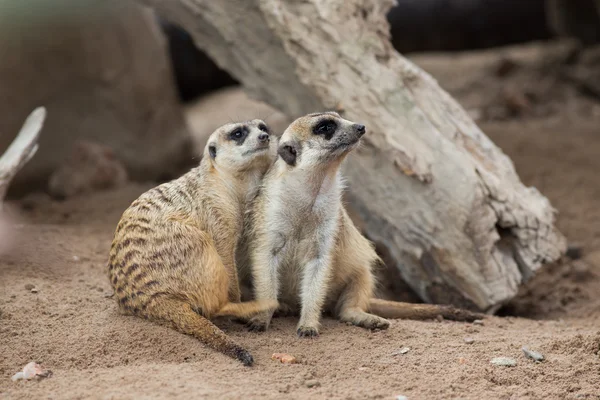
{"x": 266, "y": 286}
{"x": 313, "y": 295}
{"x": 355, "y": 300}
{"x": 180, "y": 315}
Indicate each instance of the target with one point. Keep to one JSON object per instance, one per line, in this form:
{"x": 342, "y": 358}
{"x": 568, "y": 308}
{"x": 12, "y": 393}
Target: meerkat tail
{"x": 181, "y": 316}
{"x": 398, "y": 310}
{"x": 246, "y": 310}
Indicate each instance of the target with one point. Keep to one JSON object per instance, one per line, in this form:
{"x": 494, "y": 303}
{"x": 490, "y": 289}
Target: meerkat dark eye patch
{"x": 325, "y": 128}
{"x": 288, "y": 152}
{"x": 239, "y": 134}
{"x": 263, "y": 128}
{"x": 212, "y": 151}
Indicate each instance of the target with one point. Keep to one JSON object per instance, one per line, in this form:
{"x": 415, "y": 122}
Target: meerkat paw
{"x": 259, "y": 323}
{"x": 307, "y": 331}
{"x": 375, "y": 322}
{"x": 366, "y": 320}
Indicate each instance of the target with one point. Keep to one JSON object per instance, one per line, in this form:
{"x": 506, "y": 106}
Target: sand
{"x": 72, "y": 327}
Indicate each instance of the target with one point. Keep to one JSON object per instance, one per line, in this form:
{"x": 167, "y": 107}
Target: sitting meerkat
{"x": 172, "y": 259}
{"x": 303, "y": 247}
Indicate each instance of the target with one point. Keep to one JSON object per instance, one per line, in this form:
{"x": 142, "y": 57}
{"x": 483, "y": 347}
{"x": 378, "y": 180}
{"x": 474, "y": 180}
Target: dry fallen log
{"x": 429, "y": 185}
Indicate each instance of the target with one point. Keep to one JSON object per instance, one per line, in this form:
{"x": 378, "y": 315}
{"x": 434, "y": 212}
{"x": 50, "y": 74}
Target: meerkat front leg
{"x": 266, "y": 263}
{"x": 315, "y": 279}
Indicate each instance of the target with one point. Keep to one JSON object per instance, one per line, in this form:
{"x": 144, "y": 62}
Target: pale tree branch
{"x": 21, "y": 150}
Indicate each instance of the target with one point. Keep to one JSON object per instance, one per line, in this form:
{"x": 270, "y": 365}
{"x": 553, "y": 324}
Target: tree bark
{"x": 428, "y": 184}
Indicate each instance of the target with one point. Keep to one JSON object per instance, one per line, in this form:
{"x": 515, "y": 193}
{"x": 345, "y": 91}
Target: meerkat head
{"x": 319, "y": 138}
{"x": 241, "y": 147}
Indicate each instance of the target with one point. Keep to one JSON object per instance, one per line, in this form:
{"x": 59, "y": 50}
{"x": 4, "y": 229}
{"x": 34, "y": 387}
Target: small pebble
{"x": 31, "y": 370}
{"x": 312, "y": 383}
{"x": 478, "y": 322}
{"x": 34, "y": 290}
{"x": 401, "y": 397}
{"x": 76, "y": 258}
{"x": 277, "y": 340}
{"x": 284, "y": 358}
{"x": 534, "y": 355}
{"x": 403, "y": 350}
{"x": 504, "y": 362}
{"x": 29, "y": 286}
{"x": 439, "y": 318}
{"x": 469, "y": 340}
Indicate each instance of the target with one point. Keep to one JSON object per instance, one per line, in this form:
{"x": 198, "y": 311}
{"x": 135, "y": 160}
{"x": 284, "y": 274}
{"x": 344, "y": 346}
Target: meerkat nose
{"x": 263, "y": 137}
{"x": 360, "y": 128}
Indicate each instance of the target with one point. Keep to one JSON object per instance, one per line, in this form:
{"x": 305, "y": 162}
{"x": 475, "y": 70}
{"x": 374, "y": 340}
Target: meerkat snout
{"x": 360, "y": 129}
{"x": 263, "y": 137}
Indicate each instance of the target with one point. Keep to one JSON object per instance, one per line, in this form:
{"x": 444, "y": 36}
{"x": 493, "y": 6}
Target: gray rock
{"x": 469, "y": 340}
{"x": 534, "y": 355}
{"x": 504, "y": 361}
{"x": 403, "y": 350}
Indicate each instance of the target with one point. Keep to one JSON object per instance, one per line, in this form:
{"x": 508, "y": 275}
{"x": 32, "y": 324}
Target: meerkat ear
{"x": 212, "y": 150}
{"x": 288, "y": 151}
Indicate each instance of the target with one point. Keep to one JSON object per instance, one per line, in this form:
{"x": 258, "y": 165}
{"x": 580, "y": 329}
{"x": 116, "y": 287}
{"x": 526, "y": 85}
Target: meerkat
{"x": 304, "y": 249}
{"x": 172, "y": 258}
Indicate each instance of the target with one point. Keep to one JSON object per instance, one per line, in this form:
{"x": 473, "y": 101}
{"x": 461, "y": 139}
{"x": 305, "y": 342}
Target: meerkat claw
{"x": 256, "y": 325}
{"x": 380, "y": 324}
{"x": 306, "y": 331}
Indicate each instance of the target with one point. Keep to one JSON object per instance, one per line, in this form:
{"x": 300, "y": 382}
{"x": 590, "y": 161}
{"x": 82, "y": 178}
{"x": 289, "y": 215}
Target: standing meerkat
{"x": 172, "y": 256}
{"x": 304, "y": 248}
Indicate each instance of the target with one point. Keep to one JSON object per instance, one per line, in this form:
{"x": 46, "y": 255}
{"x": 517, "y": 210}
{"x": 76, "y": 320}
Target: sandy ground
{"x": 72, "y": 327}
